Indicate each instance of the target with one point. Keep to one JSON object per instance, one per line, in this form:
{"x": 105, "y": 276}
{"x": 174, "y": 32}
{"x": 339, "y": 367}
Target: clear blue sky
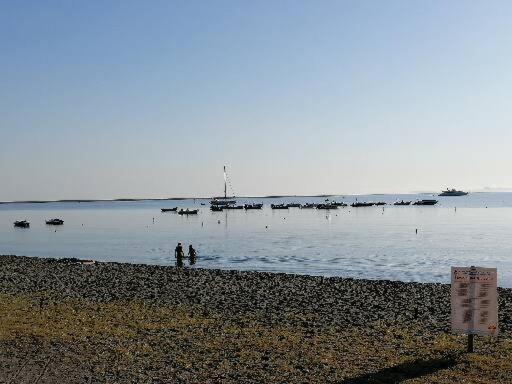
{"x": 103, "y": 99}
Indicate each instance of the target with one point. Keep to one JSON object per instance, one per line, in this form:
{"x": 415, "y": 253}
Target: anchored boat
{"x": 223, "y": 201}
{"x": 220, "y": 201}
{"x": 452, "y": 192}
{"x": 425, "y": 202}
{"x": 55, "y": 222}
{"x": 365, "y": 204}
{"x": 233, "y": 207}
{"x": 402, "y": 203}
{"x": 253, "y": 206}
{"x": 22, "y": 224}
{"x": 188, "y": 211}
{"x": 326, "y": 206}
{"x": 169, "y": 209}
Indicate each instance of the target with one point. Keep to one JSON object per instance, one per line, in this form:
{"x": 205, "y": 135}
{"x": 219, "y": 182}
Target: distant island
{"x": 151, "y": 199}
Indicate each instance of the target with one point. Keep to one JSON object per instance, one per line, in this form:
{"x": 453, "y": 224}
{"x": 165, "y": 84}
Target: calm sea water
{"x": 373, "y": 242}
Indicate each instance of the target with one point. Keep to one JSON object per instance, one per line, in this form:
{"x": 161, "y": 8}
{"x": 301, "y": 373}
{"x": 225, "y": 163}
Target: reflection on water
{"x": 366, "y": 242}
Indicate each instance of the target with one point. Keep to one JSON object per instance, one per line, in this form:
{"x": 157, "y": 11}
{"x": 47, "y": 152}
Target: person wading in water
{"x": 191, "y": 254}
{"x": 179, "y": 255}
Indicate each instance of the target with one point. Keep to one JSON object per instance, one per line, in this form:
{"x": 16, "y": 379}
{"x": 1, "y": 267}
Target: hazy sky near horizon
{"x": 150, "y": 99}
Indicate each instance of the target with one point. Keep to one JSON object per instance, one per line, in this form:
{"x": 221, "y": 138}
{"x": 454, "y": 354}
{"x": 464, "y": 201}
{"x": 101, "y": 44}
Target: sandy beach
{"x": 63, "y": 321}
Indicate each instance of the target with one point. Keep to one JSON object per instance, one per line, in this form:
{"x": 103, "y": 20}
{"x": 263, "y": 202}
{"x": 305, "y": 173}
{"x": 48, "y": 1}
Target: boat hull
{"x": 222, "y": 202}
{"x": 426, "y": 202}
{"x": 54, "y": 222}
{"x": 253, "y": 206}
{"x": 188, "y": 212}
{"x": 453, "y": 194}
{"x": 273, "y": 206}
{"x": 169, "y": 209}
{"x": 326, "y": 206}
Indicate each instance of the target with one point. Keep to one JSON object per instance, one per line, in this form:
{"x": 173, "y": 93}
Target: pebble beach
{"x": 68, "y": 321}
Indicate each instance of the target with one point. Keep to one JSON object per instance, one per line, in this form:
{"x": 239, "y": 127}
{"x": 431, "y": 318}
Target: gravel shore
{"x": 233, "y": 327}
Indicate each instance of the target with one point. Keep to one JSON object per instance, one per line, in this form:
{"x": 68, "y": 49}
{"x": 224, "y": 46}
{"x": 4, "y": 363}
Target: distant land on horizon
{"x": 275, "y": 196}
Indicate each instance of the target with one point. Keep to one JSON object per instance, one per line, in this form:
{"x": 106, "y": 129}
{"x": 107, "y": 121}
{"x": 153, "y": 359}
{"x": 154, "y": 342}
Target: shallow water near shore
{"x": 370, "y": 242}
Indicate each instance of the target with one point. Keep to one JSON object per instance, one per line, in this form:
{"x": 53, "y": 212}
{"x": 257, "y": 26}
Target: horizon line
{"x": 275, "y": 196}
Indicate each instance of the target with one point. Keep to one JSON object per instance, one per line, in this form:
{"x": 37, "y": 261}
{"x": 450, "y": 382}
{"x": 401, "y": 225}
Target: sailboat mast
{"x": 225, "y": 183}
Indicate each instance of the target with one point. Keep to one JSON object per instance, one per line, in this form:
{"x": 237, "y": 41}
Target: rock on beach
{"x": 235, "y": 315}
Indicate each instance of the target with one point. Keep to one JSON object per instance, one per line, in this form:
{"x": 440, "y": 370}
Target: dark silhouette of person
{"x": 179, "y": 255}
{"x": 191, "y": 254}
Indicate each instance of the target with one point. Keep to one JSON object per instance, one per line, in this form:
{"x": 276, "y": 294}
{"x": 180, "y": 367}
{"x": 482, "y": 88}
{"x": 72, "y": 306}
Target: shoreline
{"x": 120, "y": 322}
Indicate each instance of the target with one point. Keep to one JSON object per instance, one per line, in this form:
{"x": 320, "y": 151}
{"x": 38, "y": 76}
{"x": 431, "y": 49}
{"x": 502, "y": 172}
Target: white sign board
{"x": 474, "y": 300}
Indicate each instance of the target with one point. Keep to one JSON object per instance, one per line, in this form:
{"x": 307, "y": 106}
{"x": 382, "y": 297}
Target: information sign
{"x": 474, "y": 301}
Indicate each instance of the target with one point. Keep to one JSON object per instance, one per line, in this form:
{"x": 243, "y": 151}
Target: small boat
{"x": 339, "y": 204}
{"x": 326, "y": 206}
{"x": 169, "y": 209}
{"x": 364, "y": 204}
{"x": 22, "y": 224}
{"x": 188, "y": 211}
{"x": 55, "y": 222}
{"x": 380, "y": 203}
{"x": 309, "y": 205}
{"x": 233, "y": 207}
{"x": 216, "y": 208}
{"x": 253, "y": 206}
{"x": 222, "y": 202}
{"x": 452, "y": 192}
{"x": 425, "y": 202}
{"x": 203, "y": 203}
{"x": 279, "y": 206}
{"x": 294, "y": 205}
{"x": 402, "y": 203}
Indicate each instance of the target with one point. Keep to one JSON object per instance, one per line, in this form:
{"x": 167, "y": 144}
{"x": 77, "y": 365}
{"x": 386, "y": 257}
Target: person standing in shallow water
{"x": 179, "y": 255}
{"x": 191, "y": 254}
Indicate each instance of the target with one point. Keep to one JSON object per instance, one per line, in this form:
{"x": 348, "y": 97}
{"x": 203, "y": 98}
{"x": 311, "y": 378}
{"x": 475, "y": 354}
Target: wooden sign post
{"x": 474, "y": 299}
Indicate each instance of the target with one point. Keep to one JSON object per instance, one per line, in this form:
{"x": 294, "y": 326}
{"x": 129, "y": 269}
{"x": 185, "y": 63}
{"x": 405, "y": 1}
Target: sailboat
{"x": 223, "y": 201}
